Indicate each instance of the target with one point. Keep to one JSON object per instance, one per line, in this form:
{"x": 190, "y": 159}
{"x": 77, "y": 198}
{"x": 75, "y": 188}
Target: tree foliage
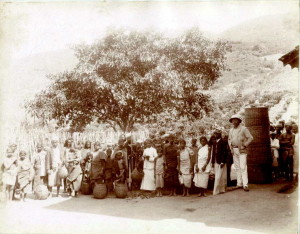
{"x": 130, "y": 77}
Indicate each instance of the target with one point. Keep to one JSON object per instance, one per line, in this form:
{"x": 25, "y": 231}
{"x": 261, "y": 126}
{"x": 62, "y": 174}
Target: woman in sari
{"x": 202, "y": 167}
{"x": 171, "y": 156}
{"x": 185, "y": 167}
{"x": 25, "y": 175}
{"x": 9, "y": 176}
{"x": 74, "y": 173}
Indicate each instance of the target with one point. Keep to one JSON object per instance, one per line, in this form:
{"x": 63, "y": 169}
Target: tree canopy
{"x": 130, "y": 77}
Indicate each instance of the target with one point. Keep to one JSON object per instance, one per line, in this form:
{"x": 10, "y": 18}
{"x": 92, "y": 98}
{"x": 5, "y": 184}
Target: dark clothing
{"x": 171, "y": 155}
{"x": 287, "y": 153}
{"x": 219, "y": 152}
{"x": 120, "y": 170}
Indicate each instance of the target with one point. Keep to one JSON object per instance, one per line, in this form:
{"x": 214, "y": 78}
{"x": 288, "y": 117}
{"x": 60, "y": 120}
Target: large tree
{"x": 129, "y": 77}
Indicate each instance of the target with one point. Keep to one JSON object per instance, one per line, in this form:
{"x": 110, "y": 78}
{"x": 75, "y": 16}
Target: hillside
{"x": 276, "y": 32}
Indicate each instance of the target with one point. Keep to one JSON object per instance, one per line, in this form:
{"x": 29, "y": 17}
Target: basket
{"x": 86, "y": 188}
{"x": 63, "y": 172}
{"x": 100, "y": 191}
{"x": 121, "y": 190}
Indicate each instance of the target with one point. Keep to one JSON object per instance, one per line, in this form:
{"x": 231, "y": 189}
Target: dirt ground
{"x": 262, "y": 210}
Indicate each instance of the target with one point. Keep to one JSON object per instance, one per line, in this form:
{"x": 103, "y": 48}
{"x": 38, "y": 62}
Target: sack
{"x": 63, "y": 172}
{"x": 136, "y": 175}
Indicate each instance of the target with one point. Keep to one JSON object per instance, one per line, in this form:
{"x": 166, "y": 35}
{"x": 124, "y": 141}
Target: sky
{"x": 27, "y": 29}
{"x": 40, "y": 27}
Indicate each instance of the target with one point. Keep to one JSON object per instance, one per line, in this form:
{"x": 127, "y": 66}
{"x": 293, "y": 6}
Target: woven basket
{"x": 100, "y": 191}
{"x": 86, "y": 188}
{"x": 121, "y": 190}
{"x": 258, "y": 116}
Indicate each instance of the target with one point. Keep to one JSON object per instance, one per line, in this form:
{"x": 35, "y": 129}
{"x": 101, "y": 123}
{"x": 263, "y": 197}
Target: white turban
{"x": 54, "y": 138}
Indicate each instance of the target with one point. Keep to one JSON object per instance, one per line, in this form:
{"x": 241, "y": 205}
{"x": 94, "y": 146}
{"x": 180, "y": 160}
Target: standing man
{"x": 54, "y": 162}
{"x": 287, "y": 141}
{"x": 238, "y": 140}
{"x": 219, "y": 164}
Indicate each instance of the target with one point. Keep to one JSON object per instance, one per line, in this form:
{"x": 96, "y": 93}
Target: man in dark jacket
{"x": 219, "y": 164}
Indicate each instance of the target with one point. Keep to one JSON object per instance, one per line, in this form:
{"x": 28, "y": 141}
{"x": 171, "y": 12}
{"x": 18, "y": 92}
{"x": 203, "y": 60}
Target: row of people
{"x": 162, "y": 161}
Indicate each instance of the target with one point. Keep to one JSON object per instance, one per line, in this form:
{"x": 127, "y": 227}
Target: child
{"x": 150, "y": 153}
{"x": 185, "y": 167}
{"x": 25, "y": 176}
{"x": 9, "y": 176}
{"x": 274, "y": 148}
{"x": 202, "y": 167}
{"x": 159, "y": 164}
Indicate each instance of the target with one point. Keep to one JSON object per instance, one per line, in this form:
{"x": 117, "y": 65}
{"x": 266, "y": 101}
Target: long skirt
{"x": 148, "y": 182}
{"x": 171, "y": 177}
{"x": 201, "y": 179}
{"x": 23, "y": 182}
{"x": 159, "y": 180}
{"x": 186, "y": 180}
{"x": 220, "y": 179}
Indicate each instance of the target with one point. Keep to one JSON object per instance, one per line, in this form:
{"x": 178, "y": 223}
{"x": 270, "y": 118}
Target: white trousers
{"x": 240, "y": 164}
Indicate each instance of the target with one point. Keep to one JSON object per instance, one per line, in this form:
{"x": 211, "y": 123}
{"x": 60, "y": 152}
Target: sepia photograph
{"x": 149, "y": 117}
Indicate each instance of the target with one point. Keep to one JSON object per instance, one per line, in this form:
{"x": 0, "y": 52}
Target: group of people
{"x": 160, "y": 162}
{"x": 284, "y": 146}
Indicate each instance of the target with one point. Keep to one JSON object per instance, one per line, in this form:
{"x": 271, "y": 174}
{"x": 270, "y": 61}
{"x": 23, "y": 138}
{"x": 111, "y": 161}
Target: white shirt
{"x": 152, "y": 153}
{"x": 56, "y": 157}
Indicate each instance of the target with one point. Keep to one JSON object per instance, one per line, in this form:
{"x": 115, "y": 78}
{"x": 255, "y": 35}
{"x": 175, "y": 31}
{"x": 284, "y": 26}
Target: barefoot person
{"x": 9, "y": 176}
{"x": 287, "y": 141}
{"x": 239, "y": 138}
{"x": 39, "y": 163}
{"x": 219, "y": 164}
{"x": 159, "y": 164}
{"x": 149, "y": 155}
{"x": 24, "y": 175}
{"x": 202, "y": 166}
{"x": 54, "y": 161}
{"x": 185, "y": 167}
{"x": 171, "y": 156}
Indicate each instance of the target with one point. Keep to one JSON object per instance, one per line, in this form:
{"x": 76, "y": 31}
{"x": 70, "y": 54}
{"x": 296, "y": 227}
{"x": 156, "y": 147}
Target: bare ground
{"x": 262, "y": 210}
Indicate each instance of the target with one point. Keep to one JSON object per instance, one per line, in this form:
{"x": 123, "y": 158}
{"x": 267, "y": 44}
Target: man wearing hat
{"x": 239, "y": 138}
